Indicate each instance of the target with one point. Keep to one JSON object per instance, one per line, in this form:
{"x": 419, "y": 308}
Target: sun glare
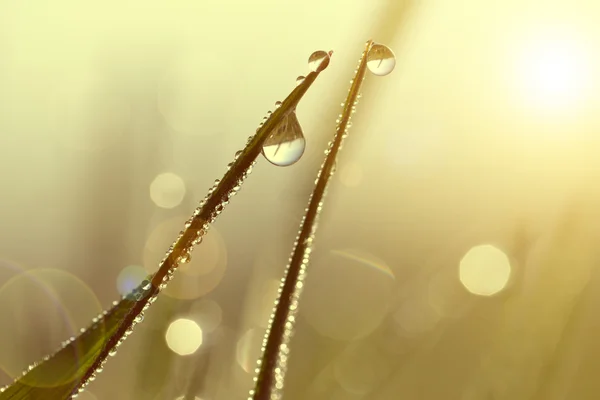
{"x": 554, "y": 71}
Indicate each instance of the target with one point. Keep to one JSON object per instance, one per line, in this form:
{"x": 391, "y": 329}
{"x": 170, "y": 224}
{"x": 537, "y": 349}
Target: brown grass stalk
{"x": 272, "y": 365}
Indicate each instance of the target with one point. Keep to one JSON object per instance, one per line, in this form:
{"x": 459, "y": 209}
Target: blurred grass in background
{"x": 456, "y": 257}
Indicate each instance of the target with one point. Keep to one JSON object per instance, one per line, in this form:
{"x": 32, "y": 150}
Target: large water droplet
{"x": 318, "y": 61}
{"x": 286, "y": 144}
{"x": 381, "y": 60}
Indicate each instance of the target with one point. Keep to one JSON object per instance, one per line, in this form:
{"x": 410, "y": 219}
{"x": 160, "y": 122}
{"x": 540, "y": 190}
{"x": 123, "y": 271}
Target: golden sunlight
{"x": 184, "y": 336}
{"x": 484, "y": 270}
{"x": 553, "y": 70}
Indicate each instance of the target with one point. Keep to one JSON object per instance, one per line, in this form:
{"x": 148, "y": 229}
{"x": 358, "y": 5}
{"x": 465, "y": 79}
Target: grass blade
{"x": 273, "y": 363}
{"x": 66, "y": 373}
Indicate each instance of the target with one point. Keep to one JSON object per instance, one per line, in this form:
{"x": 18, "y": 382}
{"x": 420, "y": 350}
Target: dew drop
{"x": 139, "y": 318}
{"x": 185, "y": 258}
{"x": 380, "y": 60}
{"x": 299, "y": 80}
{"x": 286, "y": 144}
{"x": 146, "y": 284}
{"x": 318, "y": 61}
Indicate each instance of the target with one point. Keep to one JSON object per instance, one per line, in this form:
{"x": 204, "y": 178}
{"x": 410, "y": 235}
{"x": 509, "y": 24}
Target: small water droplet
{"x": 299, "y": 80}
{"x": 381, "y": 60}
{"x": 146, "y": 285}
{"x": 286, "y": 144}
{"x": 185, "y": 258}
{"x": 318, "y": 61}
{"x": 277, "y": 104}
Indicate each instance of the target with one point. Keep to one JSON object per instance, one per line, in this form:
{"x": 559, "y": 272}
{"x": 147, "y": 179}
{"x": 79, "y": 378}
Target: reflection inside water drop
{"x": 381, "y": 60}
{"x": 318, "y": 61}
{"x": 286, "y": 144}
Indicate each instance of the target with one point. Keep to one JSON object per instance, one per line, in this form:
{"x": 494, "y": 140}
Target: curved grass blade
{"x": 272, "y": 366}
{"x": 65, "y": 373}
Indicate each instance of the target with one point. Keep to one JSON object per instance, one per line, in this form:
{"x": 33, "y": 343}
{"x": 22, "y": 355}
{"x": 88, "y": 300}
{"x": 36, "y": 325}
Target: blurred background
{"x": 456, "y": 256}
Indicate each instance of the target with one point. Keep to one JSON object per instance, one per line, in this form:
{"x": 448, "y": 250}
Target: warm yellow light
{"x": 167, "y": 190}
{"x": 484, "y": 270}
{"x": 184, "y": 336}
{"x": 553, "y": 71}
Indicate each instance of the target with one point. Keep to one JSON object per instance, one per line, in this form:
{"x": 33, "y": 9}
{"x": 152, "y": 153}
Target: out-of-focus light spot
{"x": 204, "y": 271}
{"x": 48, "y": 303}
{"x": 416, "y": 316}
{"x": 484, "y": 270}
{"x": 167, "y": 190}
{"x": 208, "y": 313}
{"x": 554, "y": 70}
{"x": 248, "y": 349}
{"x": 347, "y": 295}
{"x": 129, "y": 278}
{"x": 184, "y": 336}
{"x": 351, "y": 174}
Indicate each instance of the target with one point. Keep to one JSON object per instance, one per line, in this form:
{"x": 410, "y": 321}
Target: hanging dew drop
{"x": 299, "y": 80}
{"x": 286, "y": 144}
{"x": 319, "y": 60}
{"x": 380, "y": 60}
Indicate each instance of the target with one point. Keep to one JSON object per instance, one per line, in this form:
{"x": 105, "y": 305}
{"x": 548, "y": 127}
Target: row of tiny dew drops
{"x": 380, "y": 61}
{"x": 284, "y": 147}
{"x": 317, "y": 62}
{"x": 281, "y": 157}
{"x": 288, "y": 130}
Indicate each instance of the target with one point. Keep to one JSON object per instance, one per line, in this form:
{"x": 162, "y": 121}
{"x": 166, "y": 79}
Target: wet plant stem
{"x": 272, "y": 365}
{"x": 196, "y": 227}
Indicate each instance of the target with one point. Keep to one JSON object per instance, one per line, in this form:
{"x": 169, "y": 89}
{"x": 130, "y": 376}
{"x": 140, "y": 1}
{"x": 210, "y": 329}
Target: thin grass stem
{"x": 273, "y": 363}
{"x": 99, "y": 341}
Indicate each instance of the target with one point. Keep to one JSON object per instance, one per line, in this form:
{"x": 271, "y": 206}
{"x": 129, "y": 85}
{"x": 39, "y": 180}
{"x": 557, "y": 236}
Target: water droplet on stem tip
{"x": 380, "y": 59}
